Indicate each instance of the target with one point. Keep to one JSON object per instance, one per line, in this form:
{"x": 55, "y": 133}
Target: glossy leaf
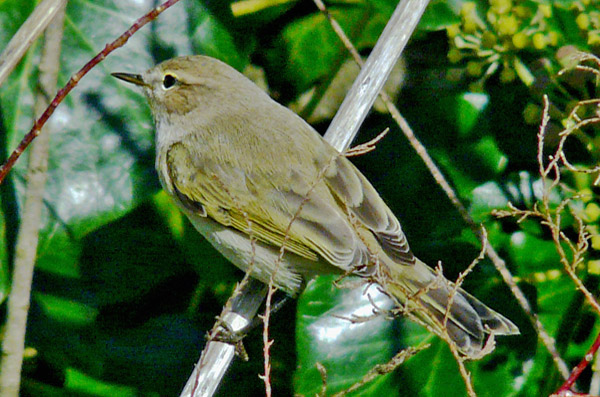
{"x": 326, "y": 335}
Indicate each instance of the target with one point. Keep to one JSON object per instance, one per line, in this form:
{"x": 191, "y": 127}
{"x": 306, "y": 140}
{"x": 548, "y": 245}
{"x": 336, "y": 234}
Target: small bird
{"x": 269, "y": 193}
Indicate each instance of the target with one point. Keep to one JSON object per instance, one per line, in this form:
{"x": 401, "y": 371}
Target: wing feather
{"x": 352, "y": 188}
{"x": 306, "y": 219}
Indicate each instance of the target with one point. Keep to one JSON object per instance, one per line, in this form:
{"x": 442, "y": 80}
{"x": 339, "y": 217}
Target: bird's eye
{"x": 169, "y": 81}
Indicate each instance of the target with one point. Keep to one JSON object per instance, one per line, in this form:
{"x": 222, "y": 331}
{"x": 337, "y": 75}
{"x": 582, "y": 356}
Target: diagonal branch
{"x": 40, "y": 18}
{"x": 62, "y": 93}
{"x": 438, "y": 176}
{"x": 341, "y": 135}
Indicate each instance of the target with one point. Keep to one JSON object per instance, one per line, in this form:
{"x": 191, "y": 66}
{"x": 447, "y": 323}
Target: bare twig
{"x": 236, "y": 316}
{"x": 389, "y": 46}
{"x": 382, "y": 369}
{"x": 498, "y": 262}
{"x": 554, "y": 222}
{"x": 35, "y": 24}
{"x": 27, "y": 238}
{"x": 323, "y": 372}
{"x": 382, "y": 58}
{"x": 366, "y": 147}
{"x": 62, "y": 93}
{"x": 550, "y": 217}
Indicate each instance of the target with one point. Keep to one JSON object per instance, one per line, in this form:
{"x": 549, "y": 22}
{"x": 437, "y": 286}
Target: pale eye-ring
{"x": 169, "y": 81}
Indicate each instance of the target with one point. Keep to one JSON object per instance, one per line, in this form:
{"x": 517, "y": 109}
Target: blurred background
{"x": 125, "y": 289}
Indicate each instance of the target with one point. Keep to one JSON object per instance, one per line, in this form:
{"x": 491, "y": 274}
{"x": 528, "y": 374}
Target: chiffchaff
{"x": 252, "y": 176}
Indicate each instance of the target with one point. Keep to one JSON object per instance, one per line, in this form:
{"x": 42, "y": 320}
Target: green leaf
{"x": 469, "y": 107}
{"x": 308, "y": 64}
{"x": 523, "y": 244}
{"x": 434, "y": 372}
{"x": 346, "y": 350}
{"x": 78, "y": 381}
{"x": 438, "y": 15}
{"x": 210, "y": 36}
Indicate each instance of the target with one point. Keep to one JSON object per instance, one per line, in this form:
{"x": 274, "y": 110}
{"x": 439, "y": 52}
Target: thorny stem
{"x": 62, "y": 93}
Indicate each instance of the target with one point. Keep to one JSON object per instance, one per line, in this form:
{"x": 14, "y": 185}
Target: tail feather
{"x": 469, "y": 322}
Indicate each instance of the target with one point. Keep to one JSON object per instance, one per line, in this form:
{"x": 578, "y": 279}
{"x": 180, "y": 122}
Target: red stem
{"x": 565, "y": 389}
{"x": 62, "y": 93}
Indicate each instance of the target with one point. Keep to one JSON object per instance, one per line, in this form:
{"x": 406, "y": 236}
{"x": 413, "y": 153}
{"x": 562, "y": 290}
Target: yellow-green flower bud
{"x": 454, "y": 55}
{"x": 583, "y": 21}
{"x": 532, "y": 114}
{"x": 592, "y": 212}
{"x": 539, "y": 41}
{"x": 593, "y": 39}
{"x": 520, "y": 40}
{"x": 508, "y": 25}
{"x": 522, "y": 12}
{"x": 453, "y": 31}
{"x": 553, "y": 38}
{"x": 468, "y": 8}
{"x": 546, "y": 10}
{"x": 501, "y": 6}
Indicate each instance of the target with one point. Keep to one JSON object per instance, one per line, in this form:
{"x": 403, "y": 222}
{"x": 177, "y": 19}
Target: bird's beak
{"x": 131, "y": 78}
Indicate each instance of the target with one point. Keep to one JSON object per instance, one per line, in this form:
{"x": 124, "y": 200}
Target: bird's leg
{"x": 226, "y": 334}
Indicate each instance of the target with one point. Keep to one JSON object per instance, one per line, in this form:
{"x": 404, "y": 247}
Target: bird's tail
{"x": 468, "y": 323}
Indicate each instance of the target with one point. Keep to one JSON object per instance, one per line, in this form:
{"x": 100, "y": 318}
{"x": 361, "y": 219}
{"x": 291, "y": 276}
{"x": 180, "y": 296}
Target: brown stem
{"x": 565, "y": 389}
{"x": 62, "y": 93}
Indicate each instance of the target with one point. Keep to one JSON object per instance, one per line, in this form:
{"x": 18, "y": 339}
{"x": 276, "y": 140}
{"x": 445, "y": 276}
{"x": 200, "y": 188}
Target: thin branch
{"x": 236, "y": 316}
{"x": 349, "y": 118}
{"x": 266, "y": 342}
{"x": 380, "y": 369}
{"x": 13, "y": 343}
{"x": 62, "y": 93}
{"x": 376, "y": 69}
{"x": 565, "y": 389}
{"x": 366, "y": 147}
{"x": 36, "y": 23}
{"x": 498, "y": 262}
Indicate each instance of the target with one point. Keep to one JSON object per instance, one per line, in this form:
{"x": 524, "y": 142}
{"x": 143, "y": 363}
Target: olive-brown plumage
{"x": 239, "y": 164}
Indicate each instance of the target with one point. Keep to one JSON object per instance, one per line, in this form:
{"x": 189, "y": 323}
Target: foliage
{"x": 125, "y": 289}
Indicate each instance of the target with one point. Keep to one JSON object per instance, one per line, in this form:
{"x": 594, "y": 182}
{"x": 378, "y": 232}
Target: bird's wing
{"x": 351, "y": 187}
{"x": 303, "y": 216}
